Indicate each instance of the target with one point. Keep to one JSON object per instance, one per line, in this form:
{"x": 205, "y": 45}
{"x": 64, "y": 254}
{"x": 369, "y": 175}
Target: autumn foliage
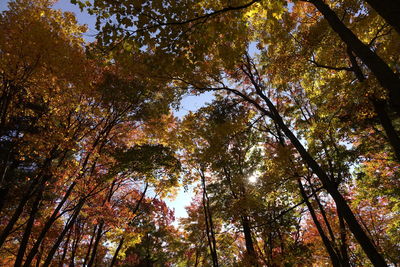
{"x": 295, "y": 161}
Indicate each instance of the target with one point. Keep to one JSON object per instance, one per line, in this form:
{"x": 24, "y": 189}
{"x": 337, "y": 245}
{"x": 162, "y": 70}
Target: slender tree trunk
{"x": 387, "y": 125}
{"x": 379, "y": 107}
{"x": 196, "y": 261}
{"x": 90, "y": 246}
{"x": 384, "y": 74}
{"x": 28, "y": 229}
{"x": 70, "y": 223}
{"x": 96, "y": 244}
{"x": 39, "y": 256}
{"x": 65, "y": 250}
{"x": 101, "y": 225}
{"x": 354, "y": 226}
{"x": 17, "y": 213}
{"x": 389, "y": 10}
{"x": 212, "y": 229}
{"x": 47, "y": 227}
{"x": 323, "y": 213}
{"x": 3, "y": 196}
{"x": 209, "y": 227}
{"x": 114, "y": 259}
{"x": 77, "y": 239}
{"x": 249, "y": 240}
{"x": 343, "y": 241}
{"x": 35, "y": 185}
{"x": 329, "y": 248}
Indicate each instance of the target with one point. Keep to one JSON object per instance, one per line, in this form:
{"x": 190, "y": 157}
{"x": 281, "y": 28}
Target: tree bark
{"x": 329, "y": 248}
{"x": 28, "y": 229}
{"x": 90, "y": 246}
{"x": 65, "y": 250}
{"x": 384, "y": 74}
{"x": 358, "y": 232}
{"x": 17, "y": 213}
{"x": 46, "y": 227}
{"x": 379, "y": 107}
{"x": 114, "y": 259}
{"x": 96, "y": 244}
{"x": 249, "y": 240}
{"x": 343, "y": 241}
{"x": 392, "y": 136}
{"x": 209, "y": 224}
{"x": 354, "y": 226}
{"x": 70, "y": 223}
{"x": 389, "y": 10}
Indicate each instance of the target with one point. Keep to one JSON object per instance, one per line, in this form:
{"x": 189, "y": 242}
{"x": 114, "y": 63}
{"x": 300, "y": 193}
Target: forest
{"x": 294, "y": 162}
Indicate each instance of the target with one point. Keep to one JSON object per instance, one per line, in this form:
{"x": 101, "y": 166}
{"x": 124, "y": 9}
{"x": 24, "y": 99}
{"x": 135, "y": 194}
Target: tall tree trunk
{"x": 96, "y": 244}
{"x": 323, "y": 213}
{"x": 358, "y": 232}
{"x": 77, "y": 239}
{"x": 196, "y": 261}
{"x": 47, "y": 227}
{"x": 384, "y": 74}
{"x": 389, "y": 10}
{"x": 3, "y": 195}
{"x": 343, "y": 241}
{"x": 28, "y": 229}
{"x": 379, "y": 107}
{"x": 20, "y": 208}
{"x": 39, "y": 256}
{"x": 65, "y": 250}
{"x": 387, "y": 125}
{"x": 70, "y": 223}
{"x": 354, "y": 226}
{"x": 114, "y": 259}
{"x": 329, "y": 248}
{"x": 34, "y": 187}
{"x": 249, "y": 240}
{"x": 90, "y": 246}
{"x": 208, "y": 222}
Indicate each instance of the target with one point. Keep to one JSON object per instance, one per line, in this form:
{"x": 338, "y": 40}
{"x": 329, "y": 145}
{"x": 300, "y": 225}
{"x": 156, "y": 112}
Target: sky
{"x": 188, "y": 103}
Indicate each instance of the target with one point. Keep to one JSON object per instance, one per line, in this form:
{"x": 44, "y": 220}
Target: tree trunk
{"x": 384, "y": 74}
{"x": 208, "y": 222}
{"x": 358, "y": 232}
{"x": 90, "y": 246}
{"x": 387, "y": 125}
{"x": 329, "y": 248}
{"x": 62, "y": 234}
{"x": 77, "y": 239}
{"x": 323, "y": 213}
{"x": 36, "y": 184}
{"x": 96, "y": 244}
{"x": 363, "y": 239}
{"x": 17, "y": 213}
{"x": 343, "y": 241}
{"x": 47, "y": 226}
{"x": 249, "y": 240}
{"x": 65, "y": 250}
{"x": 389, "y": 10}
{"x": 379, "y": 107}
{"x": 3, "y": 196}
{"x": 28, "y": 229}
{"x": 114, "y": 259}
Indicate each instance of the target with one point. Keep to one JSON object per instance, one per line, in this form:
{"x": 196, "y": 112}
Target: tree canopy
{"x": 295, "y": 161}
